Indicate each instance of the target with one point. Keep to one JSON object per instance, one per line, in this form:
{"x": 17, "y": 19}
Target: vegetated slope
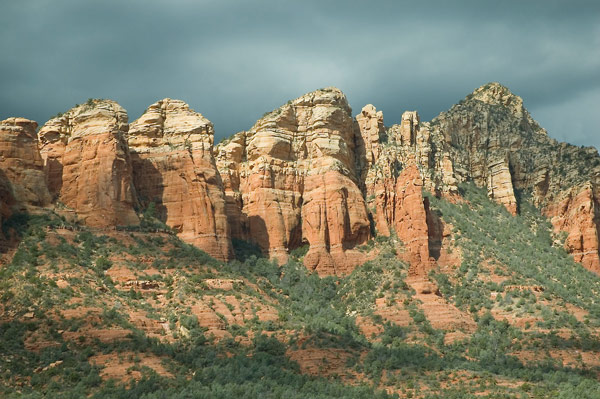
{"x": 142, "y": 314}
{"x": 76, "y": 306}
{"x": 397, "y": 275}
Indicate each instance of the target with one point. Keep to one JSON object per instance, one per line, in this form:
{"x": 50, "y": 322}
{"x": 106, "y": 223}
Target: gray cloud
{"x": 234, "y": 60}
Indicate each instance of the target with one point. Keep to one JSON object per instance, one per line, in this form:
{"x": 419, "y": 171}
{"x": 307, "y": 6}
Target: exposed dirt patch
{"x": 579, "y": 313}
{"x": 223, "y": 284}
{"x": 87, "y": 335}
{"x": 524, "y": 322}
{"x": 38, "y": 340}
{"x": 127, "y": 366}
{"x": 322, "y": 361}
{"x": 88, "y": 312}
{"x": 216, "y": 312}
{"x": 152, "y": 327}
{"x": 441, "y": 314}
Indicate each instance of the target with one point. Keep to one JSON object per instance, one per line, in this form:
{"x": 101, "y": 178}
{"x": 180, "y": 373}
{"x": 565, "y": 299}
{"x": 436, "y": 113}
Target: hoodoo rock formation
{"x": 370, "y": 131}
{"x": 410, "y": 220}
{"x": 174, "y": 167}
{"x": 87, "y": 163}
{"x": 307, "y": 173}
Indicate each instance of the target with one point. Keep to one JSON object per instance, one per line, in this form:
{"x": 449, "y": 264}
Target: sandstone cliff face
{"x": 87, "y": 163}
{"x": 22, "y": 182}
{"x": 405, "y": 165}
{"x": 500, "y": 186}
{"x": 410, "y": 220}
{"x": 488, "y": 138}
{"x": 578, "y": 214}
{"x": 291, "y": 179}
{"x": 369, "y": 133}
{"x": 305, "y": 174}
{"x": 173, "y": 166}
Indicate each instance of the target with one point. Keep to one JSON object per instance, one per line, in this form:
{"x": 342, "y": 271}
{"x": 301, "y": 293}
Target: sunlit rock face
{"x": 173, "y": 166}
{"x": 22, "y": 181}
{"x": 307, "y": 173}
{"x": 488, "y": 138}
{"x": 291, "y": 179}
{"x": 87, "y": 163}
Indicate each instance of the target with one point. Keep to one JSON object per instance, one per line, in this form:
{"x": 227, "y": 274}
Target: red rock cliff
{"x": 22, "y": 183}
{"x": 577, "y": 213}
{"x": 291, "y": 180}
{"x": 174, "y": 167}
{"x": 410, "y": 220}
{"x": 21, "y": 166}
{"x": 87, "y": 163}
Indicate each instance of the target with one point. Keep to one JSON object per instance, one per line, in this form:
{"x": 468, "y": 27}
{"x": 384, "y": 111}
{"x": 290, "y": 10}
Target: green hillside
{"x": 140, "y": 314}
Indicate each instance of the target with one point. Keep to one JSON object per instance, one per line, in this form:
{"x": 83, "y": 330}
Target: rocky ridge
{"x": 307, "y": 173}
{"x": 495, "y": 142}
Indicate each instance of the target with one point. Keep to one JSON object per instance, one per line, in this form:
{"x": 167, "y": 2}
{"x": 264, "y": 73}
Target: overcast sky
{"x": 234, "y": 60}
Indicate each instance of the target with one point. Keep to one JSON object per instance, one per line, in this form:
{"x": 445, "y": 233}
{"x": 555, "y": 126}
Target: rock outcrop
{"x": 408, "y": 161}
{"x": 87, "y": 163}
{"x": 410, "y": 220}
{"x": 22, "y": 182}
{"x": 495, "y": 142}
{"x": 488, "y": 138}
{"x": 291, "y": 179}
{"x": 334, "y": 220}
{"x": 369, "y": 133}
{"x": 307, "y": 173}
{"x": 500, "y": 186}
{"x": 577, "y": 213}
{"x": 173, "y": 166}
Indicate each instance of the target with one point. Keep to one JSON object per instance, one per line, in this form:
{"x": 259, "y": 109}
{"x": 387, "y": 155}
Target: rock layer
{"x": 87, "y": 163}
{"x": 174, "y": 167}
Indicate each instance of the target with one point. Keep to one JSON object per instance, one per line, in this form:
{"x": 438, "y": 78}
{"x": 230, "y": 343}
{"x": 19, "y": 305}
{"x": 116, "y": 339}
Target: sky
{"x": 234, "y": 60}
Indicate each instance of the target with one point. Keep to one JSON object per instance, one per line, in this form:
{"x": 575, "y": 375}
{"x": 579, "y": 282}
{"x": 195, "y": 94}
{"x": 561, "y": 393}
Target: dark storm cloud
{"x": 232, "y": 61}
